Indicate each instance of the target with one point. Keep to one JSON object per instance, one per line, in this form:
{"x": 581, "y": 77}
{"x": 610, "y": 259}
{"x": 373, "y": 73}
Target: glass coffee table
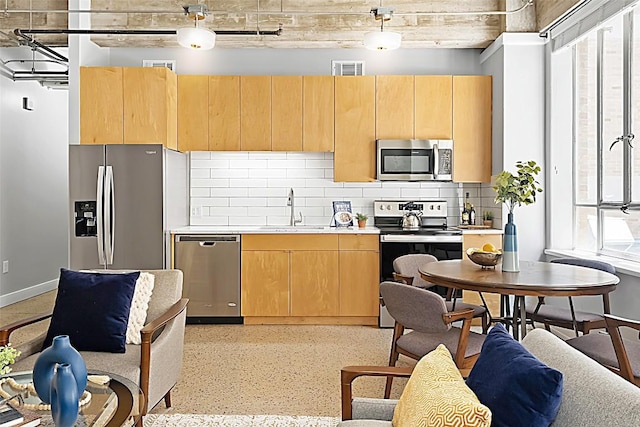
{"x": 118, "y": 403}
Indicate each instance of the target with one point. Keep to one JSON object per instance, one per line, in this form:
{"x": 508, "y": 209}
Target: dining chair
{"x": 425, "y": 314}
{"x": 621, "y": 355}
{"x": 406, "y": 269}
{"x": 569, "y": 318}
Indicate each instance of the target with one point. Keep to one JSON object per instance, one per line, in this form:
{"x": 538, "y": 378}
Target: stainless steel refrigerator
{"x": 124, "y": 200}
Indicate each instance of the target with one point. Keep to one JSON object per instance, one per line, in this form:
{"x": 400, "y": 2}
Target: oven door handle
{"x": 399, "y": 238}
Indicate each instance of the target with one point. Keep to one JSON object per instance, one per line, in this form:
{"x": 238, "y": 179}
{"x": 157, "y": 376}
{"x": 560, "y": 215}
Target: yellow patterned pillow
{"x": 436, "y": 395}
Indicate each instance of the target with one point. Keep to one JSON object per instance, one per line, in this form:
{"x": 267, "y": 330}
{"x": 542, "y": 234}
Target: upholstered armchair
{"x": 155, "y": 364}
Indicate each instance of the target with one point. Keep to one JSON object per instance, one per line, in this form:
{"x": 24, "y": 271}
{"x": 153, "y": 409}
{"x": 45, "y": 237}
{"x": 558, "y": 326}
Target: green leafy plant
{"x": 487, "y": 216}
{"x": 361, "y": 216}
{"x": 8, "y": 355}
{"x": 521, "y": 188}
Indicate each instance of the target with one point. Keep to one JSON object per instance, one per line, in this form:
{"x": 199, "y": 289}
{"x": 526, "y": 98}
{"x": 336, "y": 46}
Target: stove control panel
{"x": 391, "y": 208}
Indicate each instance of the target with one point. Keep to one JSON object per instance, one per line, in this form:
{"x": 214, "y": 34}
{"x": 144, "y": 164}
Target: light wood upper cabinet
{"x": 193, "y": 113}
{"x": 255, "y": 113}
{"x": 317, "y": 113}
{"x": 433, "y": 107}
{"x": 224, "y": 113}
{"x": 395, "y": 97}
{"x": 286, "y": 113}
{"x": 472, "y": 104}
{"x": 150, "y": 106}
{"x": 354, "y": 159}
{"x": 101, "y": 105}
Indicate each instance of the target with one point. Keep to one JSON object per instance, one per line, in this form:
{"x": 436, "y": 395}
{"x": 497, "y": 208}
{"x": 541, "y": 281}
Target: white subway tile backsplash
{"x": 200, "y": 191}
{"x": 230, "y": 192}
{"x": 252, "y": 188}
{"x": 254, "y": 201}
{"x": 200, "y": 173}
{"x": 209, "y": 183}
{"x": 267, "y": 173}
{"x": 253, "y": 182}
{"x": 248, "y": 164}
{"x": 305, "y": 173}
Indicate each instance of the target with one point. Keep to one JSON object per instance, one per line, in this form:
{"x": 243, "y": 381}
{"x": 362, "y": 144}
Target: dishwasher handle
{"x": 209, "y": 241}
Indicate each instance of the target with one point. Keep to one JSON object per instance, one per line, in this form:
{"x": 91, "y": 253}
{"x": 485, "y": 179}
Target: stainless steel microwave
{"x": 414, "y": 159}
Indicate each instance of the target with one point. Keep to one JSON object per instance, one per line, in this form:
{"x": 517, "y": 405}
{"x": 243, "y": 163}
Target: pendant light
{"x": 382, "y": 40}
{"x": 194, "y": 37}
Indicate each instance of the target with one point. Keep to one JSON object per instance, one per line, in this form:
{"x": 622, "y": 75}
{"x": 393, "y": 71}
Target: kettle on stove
{"x": 411, "y": 220}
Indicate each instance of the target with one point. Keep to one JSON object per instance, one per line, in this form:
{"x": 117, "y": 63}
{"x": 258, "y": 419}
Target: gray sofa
{"x": 592, "y": 395}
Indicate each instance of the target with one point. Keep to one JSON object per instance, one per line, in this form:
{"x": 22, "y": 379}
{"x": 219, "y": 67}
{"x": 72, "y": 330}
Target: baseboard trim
{"x": 306, "y": 320}
{"x": 27, "y": 293}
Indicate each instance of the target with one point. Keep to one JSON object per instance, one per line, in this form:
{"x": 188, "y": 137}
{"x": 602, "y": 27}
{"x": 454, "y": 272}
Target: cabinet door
{"x": 265, "y": 283}
{"x": 394, "y": 107}
{"x": 355, "y": 145}
{"x": 224, "y": 113}
{"x": 359, "y": 283}
{"x": 193, "y": 113}
{"x": 433, "y": 107}
{"x": 255, "y": 113}
{"x": 314, "y": 283}
{"x": 147, "y": 106}
{"x": 101, "y": 108}
{"x": 286, "y": 113}
{"x": 317, "y": 113}
{"x": 472, "y": 128}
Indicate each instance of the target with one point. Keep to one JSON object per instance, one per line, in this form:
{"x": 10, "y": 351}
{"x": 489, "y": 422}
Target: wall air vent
{"x": 169, "y": 63}
{"x": 347, "y": 68}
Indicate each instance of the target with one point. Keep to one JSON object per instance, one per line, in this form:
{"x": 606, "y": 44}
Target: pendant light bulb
{"x": 382, "y": 40}
{"x": 194, "y": 37}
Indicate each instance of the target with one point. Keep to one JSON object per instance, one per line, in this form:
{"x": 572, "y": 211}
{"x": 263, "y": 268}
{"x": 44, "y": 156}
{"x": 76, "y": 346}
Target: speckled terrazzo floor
{"x": 252, "y": 370}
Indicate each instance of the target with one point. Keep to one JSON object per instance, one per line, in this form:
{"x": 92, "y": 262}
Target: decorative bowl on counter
{"x": 484, "y": 258}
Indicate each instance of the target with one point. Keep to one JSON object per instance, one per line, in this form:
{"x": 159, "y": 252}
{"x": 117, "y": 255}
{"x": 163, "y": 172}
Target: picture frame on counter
{"x": 342, "y": 214}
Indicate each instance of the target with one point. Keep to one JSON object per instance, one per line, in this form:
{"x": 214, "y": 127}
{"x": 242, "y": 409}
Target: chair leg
{"x": 547, "y": 327}
{"x": 139, "y": 422}
{"x": 398, "y": 330}
{"x": 167, "y": 399}
{"x": 485, "y": 322}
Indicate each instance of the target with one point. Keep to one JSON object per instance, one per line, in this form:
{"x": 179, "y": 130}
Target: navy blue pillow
{"x": 520, "y": 390}
{"x": 93, "y": 309}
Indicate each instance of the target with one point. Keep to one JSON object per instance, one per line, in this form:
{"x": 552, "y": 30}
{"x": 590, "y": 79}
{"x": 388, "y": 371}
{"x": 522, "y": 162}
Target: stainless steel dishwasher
{"x": 211, "y": 267}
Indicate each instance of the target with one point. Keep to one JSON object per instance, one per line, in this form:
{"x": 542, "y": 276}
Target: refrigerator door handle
{"x": 100, "y": 215}
{"x": 109, "y": 215}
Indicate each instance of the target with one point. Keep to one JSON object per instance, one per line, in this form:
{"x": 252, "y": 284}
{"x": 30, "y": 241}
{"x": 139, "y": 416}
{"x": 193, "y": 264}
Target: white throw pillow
{"x": 139, "y": 306}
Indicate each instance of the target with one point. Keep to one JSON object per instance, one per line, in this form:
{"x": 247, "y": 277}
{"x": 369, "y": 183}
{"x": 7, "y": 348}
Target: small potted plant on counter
{"x": 362, "y": 220}
{"x": 487, "y": 219}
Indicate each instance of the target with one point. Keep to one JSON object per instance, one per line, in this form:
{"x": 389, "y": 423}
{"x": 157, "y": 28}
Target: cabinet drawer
{"x": 359, "y": 242}
{"x": 280, "y": 242}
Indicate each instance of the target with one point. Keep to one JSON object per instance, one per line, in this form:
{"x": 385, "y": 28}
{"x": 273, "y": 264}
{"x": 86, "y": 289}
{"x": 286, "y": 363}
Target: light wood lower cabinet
{"x": 492, "y": 300}
{"x": 312, "y": 279}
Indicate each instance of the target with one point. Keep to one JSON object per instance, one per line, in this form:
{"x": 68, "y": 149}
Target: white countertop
{"x": 273, "y": 229}
{"x": 482, "y": 231}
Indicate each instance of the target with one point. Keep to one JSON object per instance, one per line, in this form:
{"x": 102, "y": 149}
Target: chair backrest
{"x": 167, "y": 290}
{"x": 408, "y": 265}
{"x": 414, "y": 308}
{"x": 626, "y": 360}
{"x": 589, "y": 263}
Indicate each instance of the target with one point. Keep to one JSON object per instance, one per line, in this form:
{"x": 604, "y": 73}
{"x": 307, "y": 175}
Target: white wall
{"x": 33, "y": 186}
{"x": 517, "y": 62}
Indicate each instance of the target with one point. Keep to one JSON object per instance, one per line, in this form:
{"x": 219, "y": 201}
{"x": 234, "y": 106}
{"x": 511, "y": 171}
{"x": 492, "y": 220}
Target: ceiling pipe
{"x": 23, "y": 33}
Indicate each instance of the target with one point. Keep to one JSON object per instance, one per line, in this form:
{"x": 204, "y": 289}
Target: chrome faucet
{"x": 290, "y": 202}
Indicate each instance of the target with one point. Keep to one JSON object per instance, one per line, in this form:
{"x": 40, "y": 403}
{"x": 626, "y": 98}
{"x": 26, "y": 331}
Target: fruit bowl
{"x": 484, "y": 258}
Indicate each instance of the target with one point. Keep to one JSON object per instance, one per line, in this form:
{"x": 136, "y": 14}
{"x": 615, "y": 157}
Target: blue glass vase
{"x": 64, "y": 396}
{"x": 510, "y": 257}
{"x": 60, "y": 351}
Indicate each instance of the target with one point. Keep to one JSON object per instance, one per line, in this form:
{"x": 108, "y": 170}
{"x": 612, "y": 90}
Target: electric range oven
{"x": 433, "y": 237}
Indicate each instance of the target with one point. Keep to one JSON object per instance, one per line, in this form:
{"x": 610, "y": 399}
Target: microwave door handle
{"x": 436, "y": 161}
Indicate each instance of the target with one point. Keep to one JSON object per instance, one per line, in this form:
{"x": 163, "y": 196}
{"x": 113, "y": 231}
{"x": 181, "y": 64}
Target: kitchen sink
{"x": 291, "y": 228}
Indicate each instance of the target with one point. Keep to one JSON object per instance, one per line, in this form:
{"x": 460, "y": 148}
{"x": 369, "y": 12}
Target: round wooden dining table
{"x": 534, "y": 279}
